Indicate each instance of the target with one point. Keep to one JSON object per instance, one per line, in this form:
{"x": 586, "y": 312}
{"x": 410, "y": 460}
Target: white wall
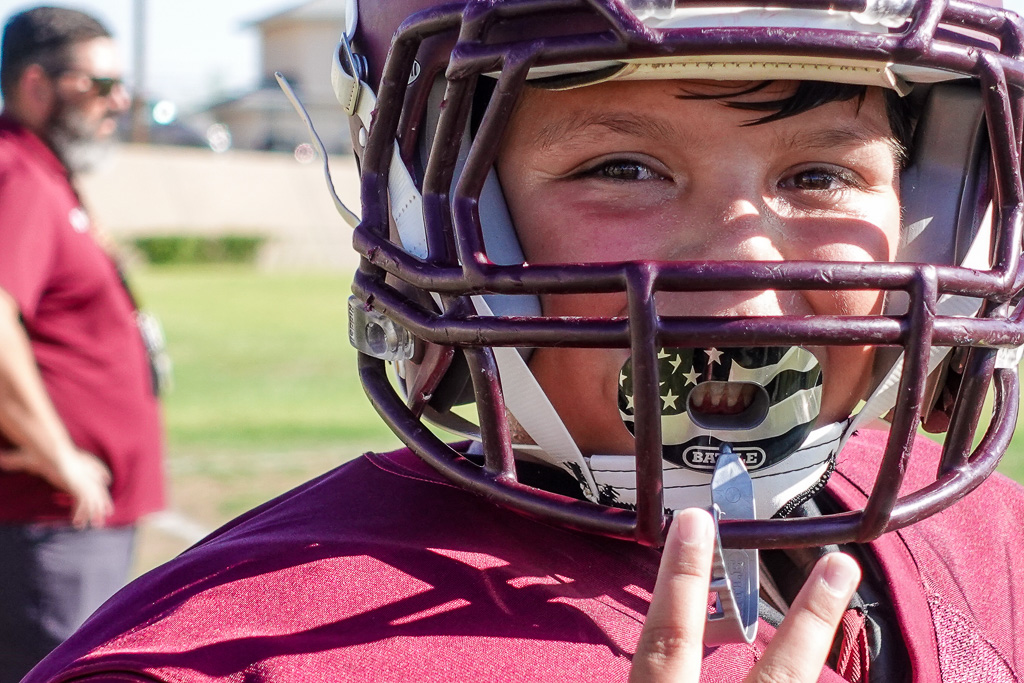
{"x": 149, "y": 190}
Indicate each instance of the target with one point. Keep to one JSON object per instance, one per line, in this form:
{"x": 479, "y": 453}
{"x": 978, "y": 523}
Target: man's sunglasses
{"x": 101, "y": 85}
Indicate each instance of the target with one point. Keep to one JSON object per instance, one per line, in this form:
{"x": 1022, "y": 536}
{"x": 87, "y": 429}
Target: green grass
{"x": 262, "y": 361}
{"x": 1012, "y": 464}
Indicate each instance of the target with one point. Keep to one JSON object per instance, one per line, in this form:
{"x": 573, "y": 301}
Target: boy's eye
{"x": 820, "y": 180}
{"x": 623, "y": 170}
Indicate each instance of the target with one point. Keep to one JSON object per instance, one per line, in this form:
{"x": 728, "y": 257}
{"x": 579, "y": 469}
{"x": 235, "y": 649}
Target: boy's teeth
{"x": 722, "y": 397}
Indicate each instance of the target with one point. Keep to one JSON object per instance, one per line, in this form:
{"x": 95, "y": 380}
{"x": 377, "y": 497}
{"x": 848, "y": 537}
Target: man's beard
{"x": 75, "y": 139}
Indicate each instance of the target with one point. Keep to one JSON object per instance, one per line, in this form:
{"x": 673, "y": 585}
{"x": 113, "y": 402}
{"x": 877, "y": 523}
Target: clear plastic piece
{"x": 651, "y": 9}
{"x": 735, "y": 574}
{"x": 376, "y": 335}
{"x": 888, "y": 13}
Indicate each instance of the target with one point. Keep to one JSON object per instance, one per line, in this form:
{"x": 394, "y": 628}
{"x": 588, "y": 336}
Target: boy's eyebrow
{"x": 566, "y": 129}
{"x": 838, "y": 136}
{"x": 843, "y": 136}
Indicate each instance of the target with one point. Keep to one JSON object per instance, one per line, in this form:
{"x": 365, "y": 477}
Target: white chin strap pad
{"x": 777, "y": 487}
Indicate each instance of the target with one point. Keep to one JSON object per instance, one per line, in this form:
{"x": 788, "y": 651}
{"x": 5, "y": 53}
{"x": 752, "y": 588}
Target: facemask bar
{"x": 472, "y": 274}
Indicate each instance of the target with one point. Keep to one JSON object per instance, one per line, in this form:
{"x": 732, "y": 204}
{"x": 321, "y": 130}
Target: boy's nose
{"x": 733, "y": 226}
{"x": 765, "y": 303}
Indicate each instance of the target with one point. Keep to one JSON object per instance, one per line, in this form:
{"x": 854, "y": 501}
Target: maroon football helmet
{"x": 444, "y": 297}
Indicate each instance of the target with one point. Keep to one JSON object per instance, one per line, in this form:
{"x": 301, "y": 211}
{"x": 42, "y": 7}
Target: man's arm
{"x": 41, "y": 443}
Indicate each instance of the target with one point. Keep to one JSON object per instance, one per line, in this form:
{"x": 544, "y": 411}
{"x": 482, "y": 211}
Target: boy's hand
{"x": 671, "y": 644}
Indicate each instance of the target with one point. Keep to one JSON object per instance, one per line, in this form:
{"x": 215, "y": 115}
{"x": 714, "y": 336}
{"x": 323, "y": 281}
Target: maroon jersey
{"x": 381, "y": 571}
{"x": 80, "y": 322}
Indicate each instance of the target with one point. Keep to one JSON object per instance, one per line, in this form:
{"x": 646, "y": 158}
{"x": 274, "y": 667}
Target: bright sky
{"x": 199, "y": 50}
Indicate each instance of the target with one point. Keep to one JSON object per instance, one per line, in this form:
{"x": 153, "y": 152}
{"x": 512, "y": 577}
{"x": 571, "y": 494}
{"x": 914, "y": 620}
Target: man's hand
{"x": 29, "y": 420}
{"x": 78, "y": 473}
{"x": 671, "y": 644}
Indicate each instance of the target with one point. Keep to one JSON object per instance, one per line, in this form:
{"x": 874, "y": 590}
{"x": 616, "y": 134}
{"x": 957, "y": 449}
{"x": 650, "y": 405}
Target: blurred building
{"x": 299, "y": 43}
{"x": 175, "y": 186}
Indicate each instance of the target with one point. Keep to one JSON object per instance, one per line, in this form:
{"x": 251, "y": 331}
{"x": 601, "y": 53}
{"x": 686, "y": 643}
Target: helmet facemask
{"x": 442, "y": 237}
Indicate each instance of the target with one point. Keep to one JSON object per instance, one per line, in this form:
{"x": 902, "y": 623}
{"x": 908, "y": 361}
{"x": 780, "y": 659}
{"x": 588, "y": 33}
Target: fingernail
{"x": 692, "y": 526}
{"x": 839, "y": 575}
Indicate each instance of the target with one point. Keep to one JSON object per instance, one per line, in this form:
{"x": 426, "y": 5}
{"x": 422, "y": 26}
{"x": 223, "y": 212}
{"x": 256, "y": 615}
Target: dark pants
{"x": 51, "y": 579}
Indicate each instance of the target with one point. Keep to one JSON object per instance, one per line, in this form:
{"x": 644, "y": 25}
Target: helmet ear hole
{"x": 438, "y": 379}
{"x": 454, "y": 388}
{"x": 944, "y": 387}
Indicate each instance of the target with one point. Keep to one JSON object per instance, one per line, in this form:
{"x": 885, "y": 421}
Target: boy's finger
{"x": 799, "y": 648}
{"x": 13, "y": 460}
{"x": 671, "y": 643}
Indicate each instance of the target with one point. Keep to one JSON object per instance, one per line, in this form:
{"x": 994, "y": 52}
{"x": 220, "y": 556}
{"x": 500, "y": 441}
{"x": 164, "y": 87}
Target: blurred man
{"x": 80, "y": 441}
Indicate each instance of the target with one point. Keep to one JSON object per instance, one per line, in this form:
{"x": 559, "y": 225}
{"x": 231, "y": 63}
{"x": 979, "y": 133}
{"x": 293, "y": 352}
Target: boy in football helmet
{"x": 648, "y": 257}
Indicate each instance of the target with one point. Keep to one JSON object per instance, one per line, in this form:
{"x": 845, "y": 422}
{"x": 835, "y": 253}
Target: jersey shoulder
{"x": 381, "y": 568}
{"x": 953, "y": 578}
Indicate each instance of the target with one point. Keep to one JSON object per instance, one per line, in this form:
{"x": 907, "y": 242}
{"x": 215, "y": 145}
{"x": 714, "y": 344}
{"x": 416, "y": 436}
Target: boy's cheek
{"x": 580, "y": 234}
{"x": 569, "y": 222}
{"x": 865, "y": 244}
{"x": 582, "y": 385}
{"x": 847, "y": 371}
{"x": 852, "y": 303}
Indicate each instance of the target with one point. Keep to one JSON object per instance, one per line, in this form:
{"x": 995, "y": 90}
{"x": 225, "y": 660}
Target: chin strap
{"x": 883, "y": 398}
{"x": 529, "y": 405}
{"x": 346, "y": 213}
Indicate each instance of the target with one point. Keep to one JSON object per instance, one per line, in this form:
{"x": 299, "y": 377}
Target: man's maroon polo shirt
{"x": 81, "y": 324}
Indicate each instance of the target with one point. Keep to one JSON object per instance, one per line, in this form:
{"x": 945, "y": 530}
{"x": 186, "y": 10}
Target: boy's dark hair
{"x": 901, "y": 111}
{"x": 43, "y": 36}
{"x": 811, "y": 94}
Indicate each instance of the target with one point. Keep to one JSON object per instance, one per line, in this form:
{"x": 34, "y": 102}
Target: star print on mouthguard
{"x": 761, "y": 400}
